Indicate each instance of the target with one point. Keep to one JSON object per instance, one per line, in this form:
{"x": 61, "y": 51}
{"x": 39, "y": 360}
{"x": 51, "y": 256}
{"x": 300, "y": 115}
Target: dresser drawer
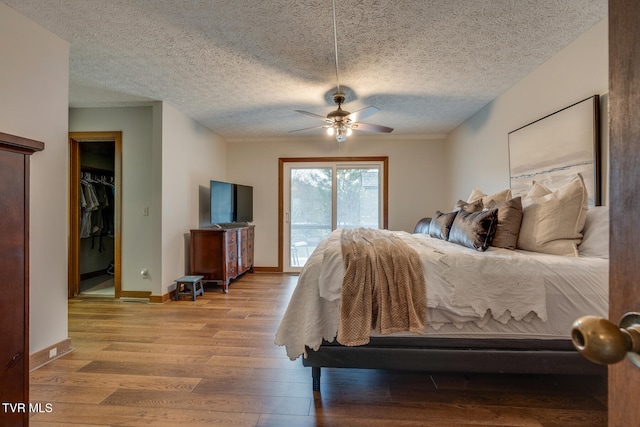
{"x": 232, "y": 270}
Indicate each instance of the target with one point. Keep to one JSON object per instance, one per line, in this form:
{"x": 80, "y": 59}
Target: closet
{"x": 95, "y": 200}
{"x": 14, "y": 270}
{"x": 97, "y": 215}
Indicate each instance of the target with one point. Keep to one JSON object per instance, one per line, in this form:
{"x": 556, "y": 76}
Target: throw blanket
{"x": 383, "y": 286}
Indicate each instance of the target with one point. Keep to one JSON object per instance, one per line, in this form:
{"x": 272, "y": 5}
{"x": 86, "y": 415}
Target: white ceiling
{"x": 241, "y": 67}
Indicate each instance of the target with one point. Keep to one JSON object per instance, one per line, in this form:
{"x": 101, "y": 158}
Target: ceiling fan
{"x": 339, "y": 122}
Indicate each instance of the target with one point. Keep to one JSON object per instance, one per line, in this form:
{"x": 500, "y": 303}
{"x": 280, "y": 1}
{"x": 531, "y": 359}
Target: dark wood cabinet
{"x": 221, "y": 254}
{"x": 14, "y": 270}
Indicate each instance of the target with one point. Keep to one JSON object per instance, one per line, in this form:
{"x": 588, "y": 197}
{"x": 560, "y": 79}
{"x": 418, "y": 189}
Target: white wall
{"x": 192, "y": 155}
{"x": 136, "y": 124}
{"x": 478, "y": 149}
{"x": 166, "y": 157}
{"x": 34, "y": 79}
{"x": 416, "y": 171}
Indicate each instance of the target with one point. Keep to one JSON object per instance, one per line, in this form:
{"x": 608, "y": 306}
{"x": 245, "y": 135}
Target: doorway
{"x": 95, "y": 214}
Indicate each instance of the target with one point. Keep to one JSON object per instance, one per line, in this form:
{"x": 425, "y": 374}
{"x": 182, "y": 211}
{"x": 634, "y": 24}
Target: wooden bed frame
{"x": 459, "y": 355}
{"x": 449, "y": 355}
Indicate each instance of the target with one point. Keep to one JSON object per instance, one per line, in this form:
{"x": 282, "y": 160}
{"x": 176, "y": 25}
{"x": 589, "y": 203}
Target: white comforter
{"x": 465, "y": 289}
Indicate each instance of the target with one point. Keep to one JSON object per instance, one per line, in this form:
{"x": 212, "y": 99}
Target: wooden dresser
{"x": 14, "y": 270}
{"x": 221, "y": 254}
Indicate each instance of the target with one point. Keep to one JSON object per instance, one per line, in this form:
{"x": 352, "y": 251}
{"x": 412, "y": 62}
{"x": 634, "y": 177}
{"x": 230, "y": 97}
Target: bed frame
{"x": 459, "y": 355}
{"x": 454, "y": 355}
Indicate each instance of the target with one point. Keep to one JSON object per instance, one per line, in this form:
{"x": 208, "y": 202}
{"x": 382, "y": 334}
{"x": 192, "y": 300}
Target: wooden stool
{"x": 189, "y": 285}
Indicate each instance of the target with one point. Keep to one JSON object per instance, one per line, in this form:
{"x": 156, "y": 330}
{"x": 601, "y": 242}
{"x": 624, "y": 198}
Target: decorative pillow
{"x": 596, "y": 233}
{"x": 475, "y": 206}
{"x": 538, "y": 190}
{"x": 474, "y": 229}
{"x": 441, "y": 224}
{"x": 422, "y": 227}
{"x": 499, "y": 197}
{"x": 553, "y": 223}
{"x": 509, "y": 220}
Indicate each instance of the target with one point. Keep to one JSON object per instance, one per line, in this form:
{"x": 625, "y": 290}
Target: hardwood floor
{"x": 212, "y": 362}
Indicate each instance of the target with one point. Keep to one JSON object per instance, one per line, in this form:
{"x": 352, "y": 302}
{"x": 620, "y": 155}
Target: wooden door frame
{"x": 75, "y": 139}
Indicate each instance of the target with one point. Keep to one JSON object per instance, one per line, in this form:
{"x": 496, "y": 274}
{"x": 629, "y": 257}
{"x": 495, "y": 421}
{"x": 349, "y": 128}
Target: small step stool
{"x": 189, "y": 285}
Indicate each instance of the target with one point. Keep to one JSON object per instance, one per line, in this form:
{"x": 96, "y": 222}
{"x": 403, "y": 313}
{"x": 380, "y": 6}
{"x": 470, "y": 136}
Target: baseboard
{"x": 135, "y": 294}
{"x": 160, "y": 299}
{"x": 267, "y": 270}
{"x": 49, "y": 354}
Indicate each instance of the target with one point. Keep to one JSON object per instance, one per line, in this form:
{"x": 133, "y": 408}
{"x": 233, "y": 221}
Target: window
{"x": 321, "y": 196}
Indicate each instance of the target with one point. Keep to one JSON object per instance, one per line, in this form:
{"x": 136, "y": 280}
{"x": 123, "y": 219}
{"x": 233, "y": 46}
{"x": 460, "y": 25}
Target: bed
{"x": 488, "y": 306}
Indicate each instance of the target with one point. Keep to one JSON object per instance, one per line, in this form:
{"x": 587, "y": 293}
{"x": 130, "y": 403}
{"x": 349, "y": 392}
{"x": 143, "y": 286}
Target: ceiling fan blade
{"x": 315, "y": 116}
{"x": 313, "y": 127}
{"x": 362, "y": 114}
{"x": 372, "y": 128}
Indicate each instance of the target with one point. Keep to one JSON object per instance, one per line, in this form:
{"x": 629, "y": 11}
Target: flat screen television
{"x": 244, "y": 203}
{"x": 230, "y": 203}
{"x": 221, "y": 197}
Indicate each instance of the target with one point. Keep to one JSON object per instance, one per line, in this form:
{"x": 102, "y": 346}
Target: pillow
{"x": 474, "y": 229}
{"x": 422, "y": 226}
{"x": 500, "y": 196}
{"x": 595, "y": 242}
{"x": 509, "y": 220}
{"x": 469, "y": 207}
{"x": 538, "y": 190}
{"x": 441, "y": 224}
{"x": 553, "y": 223}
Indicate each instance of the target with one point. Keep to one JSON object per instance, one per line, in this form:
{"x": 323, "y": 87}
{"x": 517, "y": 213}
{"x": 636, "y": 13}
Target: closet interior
{"x": 97, "y": 233}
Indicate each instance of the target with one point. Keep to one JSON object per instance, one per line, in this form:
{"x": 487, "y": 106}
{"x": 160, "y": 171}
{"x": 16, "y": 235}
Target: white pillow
{"x": 595, "y": 242}
{"x": 552, "y": 223}
{"x": 538, "y": 190}
{"x": 499, "y": 197}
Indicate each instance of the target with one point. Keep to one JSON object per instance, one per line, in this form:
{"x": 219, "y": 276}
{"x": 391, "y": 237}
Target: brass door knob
{"x": 602, "y": 342}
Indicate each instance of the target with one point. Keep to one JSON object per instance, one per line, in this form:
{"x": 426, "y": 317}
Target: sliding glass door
{"x": 320, "y": 197}
{"x": 358, "y": 197}
{"x": 310, "y": 212}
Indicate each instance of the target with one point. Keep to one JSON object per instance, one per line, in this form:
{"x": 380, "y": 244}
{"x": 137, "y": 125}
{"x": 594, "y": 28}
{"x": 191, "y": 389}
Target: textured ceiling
{"x": 241, "y": 67}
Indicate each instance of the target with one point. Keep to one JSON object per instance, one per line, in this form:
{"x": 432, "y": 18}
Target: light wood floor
{"x": 212, "y": 362}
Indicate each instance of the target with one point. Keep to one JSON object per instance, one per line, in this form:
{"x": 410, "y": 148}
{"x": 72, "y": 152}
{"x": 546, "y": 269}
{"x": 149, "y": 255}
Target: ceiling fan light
{"x": 330, "y": 130}
{"x": 349, "y": 131}
{"x": 341, "y": 135}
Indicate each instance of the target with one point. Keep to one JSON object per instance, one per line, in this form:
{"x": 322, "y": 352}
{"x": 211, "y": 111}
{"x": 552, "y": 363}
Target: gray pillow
{"x": 469, "y": 207}
{"x": 474, "y": 229}
{"x": 441, "y": 224}
{"x": 509, "y": 220}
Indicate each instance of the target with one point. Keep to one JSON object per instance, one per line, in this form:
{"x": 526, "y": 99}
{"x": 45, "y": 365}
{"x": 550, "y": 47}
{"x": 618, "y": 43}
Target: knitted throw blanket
{"x": 383, "y": 286}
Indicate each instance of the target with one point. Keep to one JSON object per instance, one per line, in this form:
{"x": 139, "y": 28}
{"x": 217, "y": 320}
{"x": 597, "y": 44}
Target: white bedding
{"x": 470, "y": 294}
